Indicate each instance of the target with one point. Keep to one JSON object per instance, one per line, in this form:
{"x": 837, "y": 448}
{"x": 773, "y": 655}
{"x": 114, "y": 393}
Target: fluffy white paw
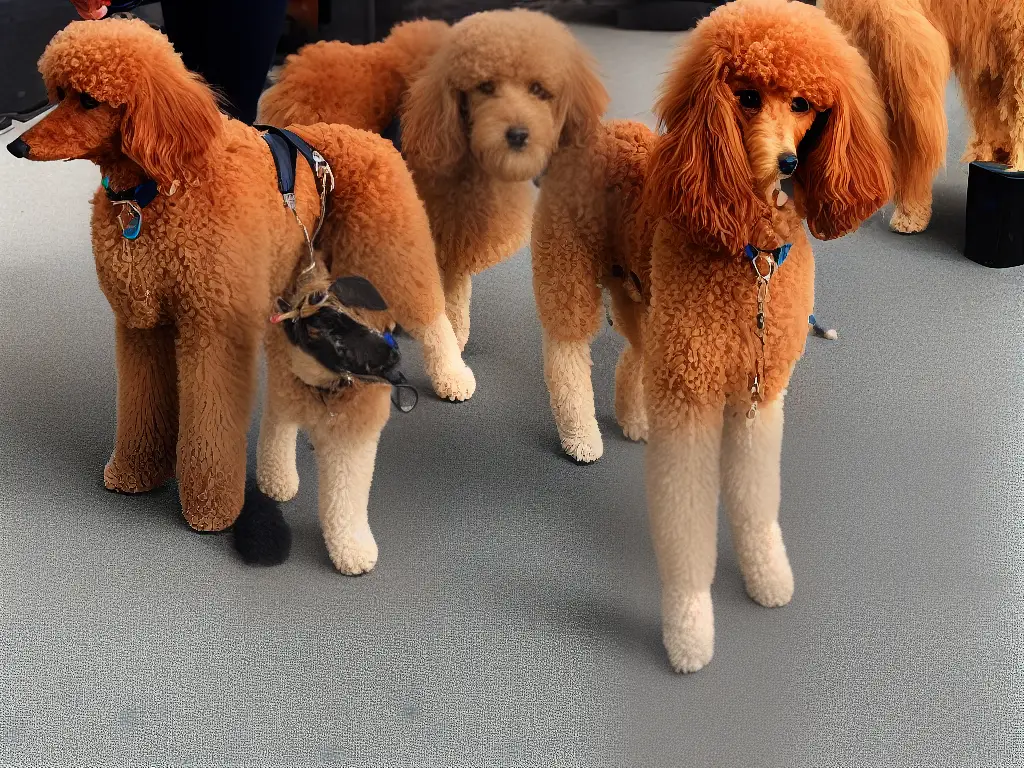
{"x": 457, "y": 385}
{"x": 769, "y": 580}
{"x": 280, "y": 484}
{"x": 584, "y": 446}
{"x": 688, "y": 631}
{"x": 910, "y": 221}
{"x": 354, "y": 553}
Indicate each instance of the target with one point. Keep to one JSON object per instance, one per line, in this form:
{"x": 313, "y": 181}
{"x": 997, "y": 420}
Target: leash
{"x": 765, "y": 263}
{"x": 285, "y": 147}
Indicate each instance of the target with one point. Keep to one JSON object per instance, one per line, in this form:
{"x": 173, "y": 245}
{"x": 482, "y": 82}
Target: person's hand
{"x": 91, "y": 9}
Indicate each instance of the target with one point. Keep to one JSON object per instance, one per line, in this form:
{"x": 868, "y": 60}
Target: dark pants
{"x": 231, "y": 43}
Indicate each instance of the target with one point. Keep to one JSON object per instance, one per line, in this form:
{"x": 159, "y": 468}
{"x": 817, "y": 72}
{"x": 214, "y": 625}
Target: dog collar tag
{"x": 134, "y": 228}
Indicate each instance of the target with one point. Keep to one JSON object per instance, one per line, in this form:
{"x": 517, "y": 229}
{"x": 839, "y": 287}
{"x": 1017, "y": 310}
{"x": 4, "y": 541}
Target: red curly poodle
{"x": 677, "y": 228}
{"x": 192, "y": 292}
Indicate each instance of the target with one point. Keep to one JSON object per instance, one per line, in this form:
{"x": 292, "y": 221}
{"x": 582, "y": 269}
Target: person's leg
{"x": 231, "y": 43}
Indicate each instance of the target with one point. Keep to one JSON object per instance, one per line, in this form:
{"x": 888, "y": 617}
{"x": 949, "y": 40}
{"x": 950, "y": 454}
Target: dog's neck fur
{"x": 123, "y": 172}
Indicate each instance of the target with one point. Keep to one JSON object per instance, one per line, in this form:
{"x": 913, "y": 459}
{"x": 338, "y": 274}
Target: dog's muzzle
{"x": 19, "y": 148}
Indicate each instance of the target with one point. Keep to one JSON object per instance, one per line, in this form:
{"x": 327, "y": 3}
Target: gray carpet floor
{"x": 513, "y": 616}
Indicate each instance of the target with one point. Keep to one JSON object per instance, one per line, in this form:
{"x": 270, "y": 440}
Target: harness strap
{"x": 285, "y": 147}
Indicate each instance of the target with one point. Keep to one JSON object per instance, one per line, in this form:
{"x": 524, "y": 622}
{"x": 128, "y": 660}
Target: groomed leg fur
{"x": 751, "y": 487}
{"x": 451, "y": 377}
{"x": 682, "y": 471}
{"x": 567, "y": 367}
{"x": 346, "y": 450}
{"x": 458, "y": 293}
{"x": 275, "y": 456}
{"x": 216, "y": 382}
{"x": 630, "y": 411}
{"x": 147, "y": 411}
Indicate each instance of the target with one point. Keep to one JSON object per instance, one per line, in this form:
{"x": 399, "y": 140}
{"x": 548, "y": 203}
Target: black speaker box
{"x": 995, "y": 216}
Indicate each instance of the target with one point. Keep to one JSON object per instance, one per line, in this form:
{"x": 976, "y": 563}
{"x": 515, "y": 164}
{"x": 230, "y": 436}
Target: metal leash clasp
{"x": 765, "y": 266}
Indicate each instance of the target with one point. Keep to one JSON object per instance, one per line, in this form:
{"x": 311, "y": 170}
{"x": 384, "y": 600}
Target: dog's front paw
{"x": 280, "y": 484}
{"x": 119, "y": 479}
{"x": 910, "y": 220}
{"x": 688, "y": 630}
{"x": 584, "y": 445}
{"x": 353, "y": 553}
{"x": 767, "y": 573}
{"x": 456, "y": 384}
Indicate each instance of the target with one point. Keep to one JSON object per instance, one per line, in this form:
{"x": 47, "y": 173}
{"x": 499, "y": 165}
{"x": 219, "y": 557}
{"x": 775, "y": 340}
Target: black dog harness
{"x": 285, "y": 147}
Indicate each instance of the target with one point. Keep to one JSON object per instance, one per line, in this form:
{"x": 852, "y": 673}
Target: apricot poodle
{"x": 911, "y": 46}
{"x": 677, "y": 227}
{"x": 504, "y": 90}
{"x": 191, "y": 274}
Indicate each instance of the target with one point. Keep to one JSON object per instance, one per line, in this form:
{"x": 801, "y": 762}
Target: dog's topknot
{"x": 107, "y": 59}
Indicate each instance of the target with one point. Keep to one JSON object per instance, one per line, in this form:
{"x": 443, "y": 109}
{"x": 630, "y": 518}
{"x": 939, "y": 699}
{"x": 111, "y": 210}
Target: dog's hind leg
{"x": 147, "y": 411}
{"x": 1012, "y": 105}
{"x": 346, "y": 450}
{"x": 276, "y": 473}
{"x": 630, "y": 410}
{"x": 910, "y": 60}
{"x": 568, "y": 296}
{"x": 682, "y": 470}
{"x": 751, "y": 487}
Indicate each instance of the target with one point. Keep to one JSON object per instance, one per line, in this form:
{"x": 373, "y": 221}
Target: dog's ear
{"x": 358, "y": 293}
{"x": 434, "y": 130}
{"x": 699, "y": 178}
{"x": 585, "y": 98}
{"x": 171, "y": 119}
{"x": 846, "y": 159}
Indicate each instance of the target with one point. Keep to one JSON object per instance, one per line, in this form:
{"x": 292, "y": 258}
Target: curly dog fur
{"x": 911, "y": 46}
{"x": 481, "y": 119}
{"x": 357, "y": 85}
{"x": 192, "y": 294}
{"x": 661, "y": 222}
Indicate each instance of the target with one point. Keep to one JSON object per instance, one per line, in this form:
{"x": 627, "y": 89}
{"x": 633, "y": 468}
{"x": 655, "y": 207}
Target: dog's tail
{"x": 910, "y": 61}
{"x": 262, "y": 537}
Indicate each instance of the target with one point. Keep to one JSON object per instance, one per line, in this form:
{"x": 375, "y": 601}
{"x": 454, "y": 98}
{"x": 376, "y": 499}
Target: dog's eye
{"x": 800, "y": 105}
{"x": 538, "y": 90}
{"x": 88, "y": 102}
{"x": 61, "y": 93}
{"x": 486, "y": 88}
{"x": 749, "y": 99}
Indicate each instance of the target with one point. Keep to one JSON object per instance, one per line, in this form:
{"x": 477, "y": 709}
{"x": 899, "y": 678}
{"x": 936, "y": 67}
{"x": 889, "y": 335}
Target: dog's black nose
{"x": 787, "y": 163}
{"x": 18, "y": 148}
{"x": 517, "y": 137}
